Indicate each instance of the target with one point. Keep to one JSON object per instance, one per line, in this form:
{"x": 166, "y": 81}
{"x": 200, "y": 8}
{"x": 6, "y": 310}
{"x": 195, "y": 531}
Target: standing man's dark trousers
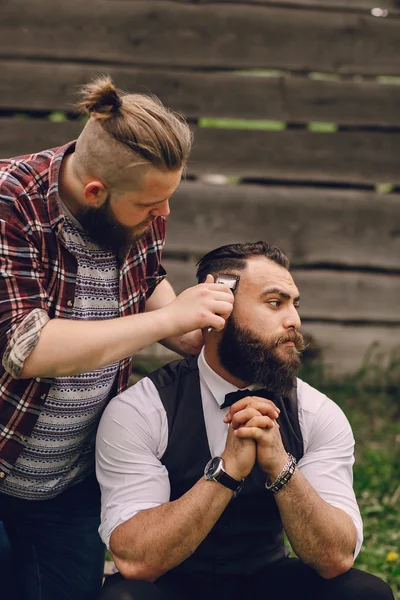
{"x": 56, "y": 551}
{"x": 290, "y": 579}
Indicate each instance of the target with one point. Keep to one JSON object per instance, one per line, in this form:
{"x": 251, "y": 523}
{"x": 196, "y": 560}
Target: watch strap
{"x": 229, "y": 482}
{"x": 215, "y": 471}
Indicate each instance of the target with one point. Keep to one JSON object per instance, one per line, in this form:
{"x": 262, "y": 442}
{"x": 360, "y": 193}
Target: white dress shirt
{"x": 133, "y": 435}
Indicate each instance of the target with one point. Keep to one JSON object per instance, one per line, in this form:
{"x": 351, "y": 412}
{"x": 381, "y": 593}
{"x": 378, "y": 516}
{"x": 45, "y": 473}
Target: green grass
{"x": 256, "y": 124}
{"x": 320, "y": 127}
{"x": 371, "y": 401}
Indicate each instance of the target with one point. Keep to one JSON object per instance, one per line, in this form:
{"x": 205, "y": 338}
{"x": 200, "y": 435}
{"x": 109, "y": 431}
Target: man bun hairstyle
{"x": 156, "y": 134}
{"x": 100, "y": 98}
{"x": 233, "y": 257}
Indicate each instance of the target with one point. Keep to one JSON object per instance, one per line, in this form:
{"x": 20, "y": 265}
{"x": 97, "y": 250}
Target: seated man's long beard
{"x": 263, "y": 362}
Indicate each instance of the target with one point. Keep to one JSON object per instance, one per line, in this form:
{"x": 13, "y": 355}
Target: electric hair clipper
{"x": 229, "y": 280}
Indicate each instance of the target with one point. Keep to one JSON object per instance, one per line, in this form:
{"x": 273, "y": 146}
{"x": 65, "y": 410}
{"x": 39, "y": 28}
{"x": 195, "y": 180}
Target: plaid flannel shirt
{"x": 37, "y": 283}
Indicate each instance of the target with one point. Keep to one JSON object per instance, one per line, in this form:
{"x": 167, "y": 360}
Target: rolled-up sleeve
{"x": 329, "y": 456}
{"x": 131, "y": 439}
{"x": 23, "y": 341}
{"x": 23, "y": 297}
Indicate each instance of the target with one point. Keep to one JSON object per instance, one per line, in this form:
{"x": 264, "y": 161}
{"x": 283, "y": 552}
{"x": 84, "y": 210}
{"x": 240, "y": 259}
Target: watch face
{"x": 213, "y": 468}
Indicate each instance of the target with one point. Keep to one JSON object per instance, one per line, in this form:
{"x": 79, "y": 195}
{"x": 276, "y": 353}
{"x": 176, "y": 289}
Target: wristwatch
{"x": 215, "y": 471}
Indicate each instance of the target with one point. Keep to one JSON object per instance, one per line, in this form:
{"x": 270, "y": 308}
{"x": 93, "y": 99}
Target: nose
{"x": 292, "y": 318}
{"x": 162, "y": 210}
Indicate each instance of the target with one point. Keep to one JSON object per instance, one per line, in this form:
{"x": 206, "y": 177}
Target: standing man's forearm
{"x": 67, "y": 347}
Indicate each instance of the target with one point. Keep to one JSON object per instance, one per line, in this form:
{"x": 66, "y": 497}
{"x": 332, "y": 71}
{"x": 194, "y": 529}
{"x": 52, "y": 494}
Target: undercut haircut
{"x": 233, "y": 257}
{"x": 128, "y": 130}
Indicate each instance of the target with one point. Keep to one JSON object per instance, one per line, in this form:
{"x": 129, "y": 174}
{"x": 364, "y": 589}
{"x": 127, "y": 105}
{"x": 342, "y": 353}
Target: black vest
{"x": 248, "y": 536}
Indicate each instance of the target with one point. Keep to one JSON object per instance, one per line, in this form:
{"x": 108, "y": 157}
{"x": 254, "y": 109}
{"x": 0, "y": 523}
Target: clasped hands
{"x": 254, "y": 436}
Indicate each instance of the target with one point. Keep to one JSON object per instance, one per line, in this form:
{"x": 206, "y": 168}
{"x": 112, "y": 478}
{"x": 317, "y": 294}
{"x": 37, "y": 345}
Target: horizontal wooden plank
{"x": 326, "y": 295}
{"x": 167, "y": 33}
{"x": 314, "y": 227}
{"x": 349, "y": 5}
{"x": 25, "y": 135}
{"x": 52, "y": 86}
{"x": 343, "y": 349}
{"x": 350, "y": 297}
{"x": 350, "y": 156}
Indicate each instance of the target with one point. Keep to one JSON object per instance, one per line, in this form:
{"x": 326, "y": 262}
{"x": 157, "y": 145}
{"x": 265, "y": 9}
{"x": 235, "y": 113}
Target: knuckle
{"x": 201, "y": 289}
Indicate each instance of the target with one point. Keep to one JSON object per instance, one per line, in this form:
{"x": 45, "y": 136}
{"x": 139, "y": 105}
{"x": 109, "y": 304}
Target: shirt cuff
{"x": 23, "y": 341}
{"x": 355, "y": 516}
{"x": 120, "y": 515}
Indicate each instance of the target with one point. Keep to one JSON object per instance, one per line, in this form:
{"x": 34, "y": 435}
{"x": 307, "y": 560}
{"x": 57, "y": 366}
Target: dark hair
{"x": 234, "y": 256}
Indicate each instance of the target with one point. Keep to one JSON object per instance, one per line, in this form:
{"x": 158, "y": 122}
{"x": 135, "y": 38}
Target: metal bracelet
{"x": 283, "y": 477}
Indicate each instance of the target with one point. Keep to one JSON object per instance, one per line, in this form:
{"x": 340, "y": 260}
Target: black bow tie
{"x": 239, "y": 394}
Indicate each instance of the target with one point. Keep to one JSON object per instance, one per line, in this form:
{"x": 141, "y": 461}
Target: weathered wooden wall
{"x": 287, "y": 66}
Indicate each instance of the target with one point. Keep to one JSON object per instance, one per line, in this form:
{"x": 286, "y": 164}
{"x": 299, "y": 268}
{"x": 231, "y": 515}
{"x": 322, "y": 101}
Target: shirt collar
{"x": 217, "y": 385}
{"x": 56, "y": 213}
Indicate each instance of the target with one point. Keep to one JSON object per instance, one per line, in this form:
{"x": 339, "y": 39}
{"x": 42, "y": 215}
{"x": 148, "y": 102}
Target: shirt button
{"x": 43, "y": 397}
{"x": 23, "y": 438}
{"x": 38, "y": 379}
{"x": 2, "y": 474}
{"x": 69, "y": 303}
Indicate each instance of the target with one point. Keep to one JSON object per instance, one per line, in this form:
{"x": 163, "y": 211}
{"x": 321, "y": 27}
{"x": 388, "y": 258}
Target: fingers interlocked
{"x": 253, "y": 411}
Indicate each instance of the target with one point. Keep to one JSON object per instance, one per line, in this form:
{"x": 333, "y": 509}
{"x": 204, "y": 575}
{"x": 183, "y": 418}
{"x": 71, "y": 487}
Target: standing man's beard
{"x": 104, "y": 229}
{"x": 254, "y": 360}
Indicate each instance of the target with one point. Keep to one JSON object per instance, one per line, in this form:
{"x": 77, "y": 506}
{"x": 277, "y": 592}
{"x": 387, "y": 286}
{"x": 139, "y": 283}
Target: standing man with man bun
{"x": 82, "y": 228}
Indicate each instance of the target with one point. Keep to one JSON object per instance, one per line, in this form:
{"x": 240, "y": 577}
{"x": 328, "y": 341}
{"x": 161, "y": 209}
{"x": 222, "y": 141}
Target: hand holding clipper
{"x": 229, "y": 280}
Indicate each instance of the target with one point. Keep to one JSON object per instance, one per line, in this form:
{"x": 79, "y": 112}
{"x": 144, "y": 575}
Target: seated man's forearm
{"x": 322, "y": 536}
{"x": 157, "y": 540}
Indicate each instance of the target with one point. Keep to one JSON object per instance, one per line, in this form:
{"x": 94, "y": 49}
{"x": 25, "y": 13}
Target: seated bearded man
{"x": 276, "y": 455}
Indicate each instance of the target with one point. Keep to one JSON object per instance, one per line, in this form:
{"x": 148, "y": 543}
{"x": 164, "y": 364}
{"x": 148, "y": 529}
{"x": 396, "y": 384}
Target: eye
{"x": 275, "y": 303}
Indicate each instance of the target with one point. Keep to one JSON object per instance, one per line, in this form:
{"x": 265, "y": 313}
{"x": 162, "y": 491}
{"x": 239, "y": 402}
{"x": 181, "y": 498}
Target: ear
{"x": 95, "y": 193}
